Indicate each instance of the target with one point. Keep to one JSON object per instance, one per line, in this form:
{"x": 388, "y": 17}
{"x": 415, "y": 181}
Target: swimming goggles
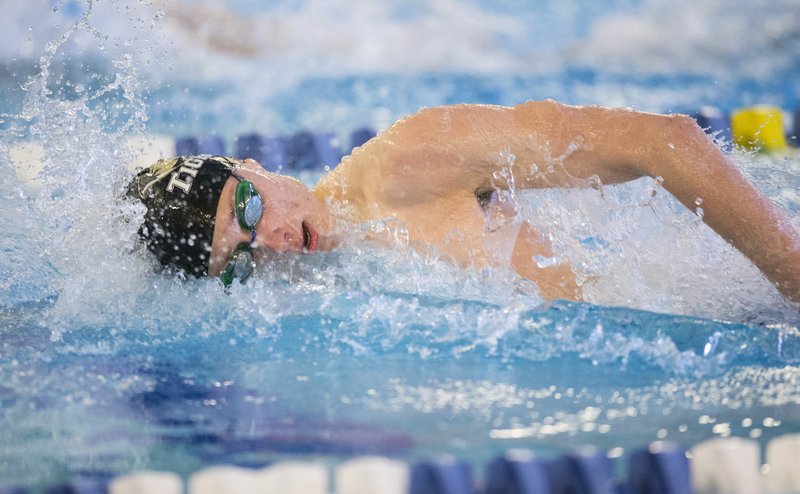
{"x": 249, "y": 208}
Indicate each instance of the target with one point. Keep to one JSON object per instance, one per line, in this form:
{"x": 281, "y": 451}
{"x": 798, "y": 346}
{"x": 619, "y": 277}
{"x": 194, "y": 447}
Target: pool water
{"x": 107, "y": 367}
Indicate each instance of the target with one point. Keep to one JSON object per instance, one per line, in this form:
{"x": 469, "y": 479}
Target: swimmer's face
{"x": 293, "y": 220}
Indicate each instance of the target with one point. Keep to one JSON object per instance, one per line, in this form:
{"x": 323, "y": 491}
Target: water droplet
{"x": 699, "y": 212}
{"x": 711, "y": 344}
{"x": 546, "y": 262}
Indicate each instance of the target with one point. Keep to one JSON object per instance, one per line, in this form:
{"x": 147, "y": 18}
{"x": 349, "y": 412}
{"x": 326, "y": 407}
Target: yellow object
{"x": 758, "y": 128}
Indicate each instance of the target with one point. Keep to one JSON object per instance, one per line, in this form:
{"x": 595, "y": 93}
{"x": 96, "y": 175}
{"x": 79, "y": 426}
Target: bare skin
{"x": 431, "y": 169}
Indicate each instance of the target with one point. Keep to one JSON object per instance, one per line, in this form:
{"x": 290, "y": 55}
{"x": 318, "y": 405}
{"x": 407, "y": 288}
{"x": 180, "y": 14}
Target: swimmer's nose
{"x": 281, "y": 239}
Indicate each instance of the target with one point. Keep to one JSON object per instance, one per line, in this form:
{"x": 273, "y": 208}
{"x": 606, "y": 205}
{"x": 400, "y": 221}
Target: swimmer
{"x": 443, "y": 173}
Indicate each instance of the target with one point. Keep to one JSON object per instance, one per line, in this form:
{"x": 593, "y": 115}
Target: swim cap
{"x": 181, "y": 195}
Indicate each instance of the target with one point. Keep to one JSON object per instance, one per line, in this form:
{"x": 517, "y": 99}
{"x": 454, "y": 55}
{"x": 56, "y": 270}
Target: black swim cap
{"x": 181, "y": 195}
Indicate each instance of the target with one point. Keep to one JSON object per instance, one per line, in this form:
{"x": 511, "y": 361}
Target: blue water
{"x": 107, "y": 367}
{"x": 217, "y": 392}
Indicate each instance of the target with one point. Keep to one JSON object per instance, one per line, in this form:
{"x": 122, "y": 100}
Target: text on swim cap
{"x": 188, "y": 169}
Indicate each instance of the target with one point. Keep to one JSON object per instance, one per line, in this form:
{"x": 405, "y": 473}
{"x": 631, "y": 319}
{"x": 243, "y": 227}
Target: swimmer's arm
{"x": 622, "y": 143}
{"x": 534, "y": 145}
{"x": 466, "y": 148}
{"x": 698, "y": 174}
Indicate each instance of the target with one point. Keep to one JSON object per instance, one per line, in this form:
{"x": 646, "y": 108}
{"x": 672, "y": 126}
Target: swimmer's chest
{"x": 473, "y": 227}
{"x": 478, "y": 230}
{"x": 487, "y": 230}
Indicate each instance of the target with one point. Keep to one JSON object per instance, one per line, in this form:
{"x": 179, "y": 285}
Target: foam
{"x": 27, "y": 158}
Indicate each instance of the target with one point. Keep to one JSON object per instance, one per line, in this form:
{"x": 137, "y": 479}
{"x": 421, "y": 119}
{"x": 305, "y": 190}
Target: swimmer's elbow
{"x": 541, "y": 111}
{"x": 683, "y": 129}
{"x": 673, "y": 142}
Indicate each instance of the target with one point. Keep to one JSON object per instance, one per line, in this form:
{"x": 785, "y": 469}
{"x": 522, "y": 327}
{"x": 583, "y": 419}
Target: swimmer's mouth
{"x": 310, "y": 239}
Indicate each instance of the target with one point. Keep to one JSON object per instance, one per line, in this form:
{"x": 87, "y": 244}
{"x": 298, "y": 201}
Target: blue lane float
{"x": 662, "y": 468}
{"x": 190, "y": 145}
{"x": 443, "y": 476}
{"x": 301, "y": 151}
{"x": 6, "y": 489}
{"x": 79, "y": 486}
{"x": 584, "y": 472}
{"x": 518, "y": 472}
{"x": 269, "y": 151}
{"x": 310, "y": 150}
{"x": 360, "y": 136}
{"x": 756, "y": 127}
{"x": 715, "y": 122}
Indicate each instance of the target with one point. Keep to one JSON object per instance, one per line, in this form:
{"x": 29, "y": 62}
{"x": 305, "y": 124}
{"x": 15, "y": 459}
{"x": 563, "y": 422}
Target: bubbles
{"x": 635, "y": 245}
{"x": 698, "y": 211}
{"x": 546, "y": 261}
{"x": 73, "y": 234}
{"x": 709, "y": 347}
